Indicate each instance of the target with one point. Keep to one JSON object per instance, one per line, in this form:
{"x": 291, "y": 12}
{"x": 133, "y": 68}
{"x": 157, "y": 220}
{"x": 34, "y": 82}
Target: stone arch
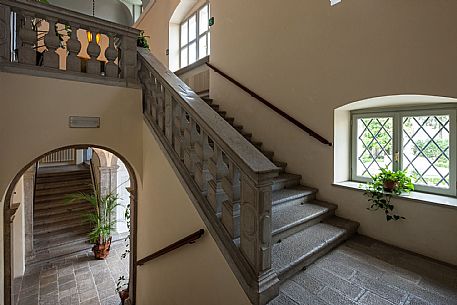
{"x": 8, "y": 214}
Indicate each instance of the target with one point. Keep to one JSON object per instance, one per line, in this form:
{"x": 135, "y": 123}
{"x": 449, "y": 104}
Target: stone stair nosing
{"x": 64, "y": 190}
{"x": 66, "y": 217}
{"x": 61, "y": 184}
{"x": 58, "y": 210}
{"x": 59, "y": 225}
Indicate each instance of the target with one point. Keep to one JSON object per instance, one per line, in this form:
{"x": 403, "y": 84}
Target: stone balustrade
{"x": 42, "y": 38}
{"x": 231, "y": 179}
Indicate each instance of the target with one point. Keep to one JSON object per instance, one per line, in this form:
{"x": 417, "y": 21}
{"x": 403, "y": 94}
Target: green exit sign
{"x": 211, "y": 21}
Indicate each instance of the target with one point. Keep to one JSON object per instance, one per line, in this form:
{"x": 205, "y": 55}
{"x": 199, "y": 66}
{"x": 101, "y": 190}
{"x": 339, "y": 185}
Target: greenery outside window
{"x": 194, "y": 37}
{"x": 421, "y": 142}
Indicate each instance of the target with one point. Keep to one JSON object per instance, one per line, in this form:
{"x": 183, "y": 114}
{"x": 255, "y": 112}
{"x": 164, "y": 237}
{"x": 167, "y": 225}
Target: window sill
{"x": 445, "y": 201}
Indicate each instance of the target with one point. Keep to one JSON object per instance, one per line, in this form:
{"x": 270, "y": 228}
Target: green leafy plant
{"x": 385, "y": 185}
{"x": 123, "y": 282}
{"x": 100, "y": 218}
{"x": 141, "y": 41}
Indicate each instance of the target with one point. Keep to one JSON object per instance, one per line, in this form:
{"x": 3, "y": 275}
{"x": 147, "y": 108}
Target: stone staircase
{"x": 59, "y": 228}
{"x": 303, "y": 228}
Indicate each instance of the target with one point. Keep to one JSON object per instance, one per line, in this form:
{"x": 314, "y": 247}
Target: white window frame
{"x": 198, "y": 35}
{"x": 397, "y": 114}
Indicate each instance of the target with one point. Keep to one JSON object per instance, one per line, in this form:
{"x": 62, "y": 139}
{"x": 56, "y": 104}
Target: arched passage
{"x": 9, "y": 211}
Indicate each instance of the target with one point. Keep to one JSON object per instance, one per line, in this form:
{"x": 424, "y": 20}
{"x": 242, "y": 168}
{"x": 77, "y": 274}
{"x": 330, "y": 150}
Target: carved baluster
{"x": 218, "y": 170}
{"x": 27, "y": 53}
{"x": 148, "y": 98}
{"x": 73, "y": 47}
{"x": 168, "y": 116}
{"x": 191, "y": 136}
{"x": 129, "y": 58}
{"x": 203, "y": 152}
{"x": 93, "y": 49}
{"x": 154, "y": 107}
{"x": 255, "y": 228}
{"x": 178, "y": 138}
{"x": 111, "y": 68}
{"x": 231, "y": 206}
{"x": 5, "y": 55}
{"x": 52, "y": 42}
{"x": 160, "y": 100}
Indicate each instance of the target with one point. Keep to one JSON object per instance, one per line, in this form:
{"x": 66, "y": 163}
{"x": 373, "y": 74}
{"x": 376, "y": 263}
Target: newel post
{"x": 255, "y": 230}
{"x": 129, "y": 58}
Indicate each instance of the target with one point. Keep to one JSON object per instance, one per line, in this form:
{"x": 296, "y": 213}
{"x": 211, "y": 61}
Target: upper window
{"x": 194, "y": 37}
{"x": 420, "y": 142}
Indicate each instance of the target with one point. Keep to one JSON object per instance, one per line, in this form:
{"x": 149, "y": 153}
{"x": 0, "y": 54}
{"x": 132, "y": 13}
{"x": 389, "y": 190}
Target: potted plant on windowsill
{"x": 385, "y": 185}
{"x": 100, "y": 218}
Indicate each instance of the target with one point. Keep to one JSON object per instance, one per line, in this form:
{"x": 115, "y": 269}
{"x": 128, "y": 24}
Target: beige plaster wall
{"x": 156, "y": 25}
{"x": 309, "y": 58}
{"x": 194, "y": 274}
{"x": 34, "y": 120}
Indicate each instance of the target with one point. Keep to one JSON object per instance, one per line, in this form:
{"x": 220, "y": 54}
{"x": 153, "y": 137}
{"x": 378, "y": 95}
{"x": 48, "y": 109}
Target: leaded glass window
{"x": 420, "y": 142}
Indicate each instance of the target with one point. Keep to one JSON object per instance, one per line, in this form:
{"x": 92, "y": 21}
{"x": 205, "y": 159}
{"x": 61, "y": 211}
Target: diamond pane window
{"x": 425, "y": 151}
{"x": 374, "y": 145}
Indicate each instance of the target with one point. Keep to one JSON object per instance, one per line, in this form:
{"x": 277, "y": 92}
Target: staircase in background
{"x": 303, "y": 228}
{"x": 59, "y": 228}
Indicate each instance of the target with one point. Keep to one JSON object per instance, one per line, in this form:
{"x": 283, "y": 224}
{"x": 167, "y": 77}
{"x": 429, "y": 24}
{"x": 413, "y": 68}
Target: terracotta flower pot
{"x": 101, "y": 251}
{"x": 124, "y": 294}
{"x": 390, "y": 185}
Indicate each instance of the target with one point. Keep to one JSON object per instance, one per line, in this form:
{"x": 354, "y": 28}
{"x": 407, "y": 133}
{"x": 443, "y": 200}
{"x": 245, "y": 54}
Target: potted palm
{"x": 100, "y": 218}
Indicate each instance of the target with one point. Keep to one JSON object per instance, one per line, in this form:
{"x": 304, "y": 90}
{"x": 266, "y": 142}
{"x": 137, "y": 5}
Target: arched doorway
{"x": 10, "y": 211}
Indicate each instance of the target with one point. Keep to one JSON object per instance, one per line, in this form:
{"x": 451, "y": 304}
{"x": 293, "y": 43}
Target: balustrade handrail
{"x": 107, "y": 55}
{"x": 228, "y": 179}
{"x": 42, "y": 9}
{"x": 190, "y": 239}
{"x": 233, "y": 143}
{"x": 294, "y": 121}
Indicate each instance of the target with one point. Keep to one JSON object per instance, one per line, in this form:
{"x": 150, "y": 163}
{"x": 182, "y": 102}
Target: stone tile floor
{"x": 368, "y": 272}
{"x": 78, "y": 279}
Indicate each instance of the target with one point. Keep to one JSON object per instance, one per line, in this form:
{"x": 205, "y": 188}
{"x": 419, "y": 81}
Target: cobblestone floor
{"x": 73, "y": 280}
{"x": 364, "y": 271}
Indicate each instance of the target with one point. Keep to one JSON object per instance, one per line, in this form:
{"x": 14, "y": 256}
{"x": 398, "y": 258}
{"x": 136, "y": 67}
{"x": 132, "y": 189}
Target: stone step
{"x": 63, "y": 184}
{"x": 43, "y": 219}
{"x": 59, "y": 226}
{"x": 61, "y": 204}
{"x": 301, "y": 249}
{"x": 63, "y": 171}
{"x": 50, "y": 255}
{"x": 230, "y": 120}
{"x": 257, "y": 144}
{"x": 289, "y": 219}
{"x": 215, "y": 107}
{"x": 209, "y": 101}
{"x": 51, "y": 179}
{"x": 285, "y": 180}
{"x": 293, "y": 195}
{"x": 64, "y": 190}
{"x": 55, "y": 197}
{"x": 60, "y": 211}
{"x": 247, "y": 135}
{"x": 281, "y": 165}
{"x": 222, "y": 113}
{"x": 61, "y": 237}
{"x": 268, "y": 153}
{"x": 238, "y": 127}
{"x": 75, "y": 242}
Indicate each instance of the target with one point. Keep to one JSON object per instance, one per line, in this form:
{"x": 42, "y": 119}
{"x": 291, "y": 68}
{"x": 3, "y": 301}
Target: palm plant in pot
{"x": 100, "y": 219}
{"x": 385, "y": 185}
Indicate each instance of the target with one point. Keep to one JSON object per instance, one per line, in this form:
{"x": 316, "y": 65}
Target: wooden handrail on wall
{"x": 271, "y": 106}
{"x": 186, "y": 240}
